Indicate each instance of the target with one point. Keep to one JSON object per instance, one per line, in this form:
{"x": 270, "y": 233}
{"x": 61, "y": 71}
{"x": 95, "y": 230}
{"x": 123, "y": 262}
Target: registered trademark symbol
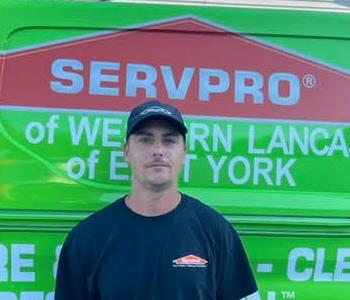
{"x": 309, "y": 81}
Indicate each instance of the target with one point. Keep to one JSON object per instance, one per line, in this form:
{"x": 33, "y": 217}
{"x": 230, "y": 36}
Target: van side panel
{"x": 265, "y": 95}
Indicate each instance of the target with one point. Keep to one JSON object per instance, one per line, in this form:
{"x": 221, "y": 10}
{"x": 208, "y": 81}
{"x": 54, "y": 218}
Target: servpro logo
{"x": 280, "y": 88}
{"x": 201, "y": 68}
{"x": 190, "y": 261}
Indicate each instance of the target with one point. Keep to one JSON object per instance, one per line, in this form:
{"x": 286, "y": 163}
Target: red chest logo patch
{"x": 191, "y": 261}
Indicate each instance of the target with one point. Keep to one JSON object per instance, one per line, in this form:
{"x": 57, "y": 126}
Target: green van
{"x": 265, "y": 94}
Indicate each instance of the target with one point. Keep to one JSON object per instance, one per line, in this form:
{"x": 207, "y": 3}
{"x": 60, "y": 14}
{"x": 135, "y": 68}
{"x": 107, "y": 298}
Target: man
{"x": 155, "y": 243}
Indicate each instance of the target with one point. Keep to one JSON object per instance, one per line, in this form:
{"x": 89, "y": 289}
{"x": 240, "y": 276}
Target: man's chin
{"x": 159, "y": 185}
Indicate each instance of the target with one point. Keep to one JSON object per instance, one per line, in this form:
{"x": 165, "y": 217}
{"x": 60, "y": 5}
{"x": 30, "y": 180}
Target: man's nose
{"x": 158, "y": 149}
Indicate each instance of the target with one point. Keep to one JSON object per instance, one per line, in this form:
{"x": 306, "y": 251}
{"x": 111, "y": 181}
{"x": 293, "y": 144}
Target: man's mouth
{"x": 157, "y": 164}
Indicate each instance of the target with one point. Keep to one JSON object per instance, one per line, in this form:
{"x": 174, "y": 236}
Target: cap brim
{"x": 178, "y": 124}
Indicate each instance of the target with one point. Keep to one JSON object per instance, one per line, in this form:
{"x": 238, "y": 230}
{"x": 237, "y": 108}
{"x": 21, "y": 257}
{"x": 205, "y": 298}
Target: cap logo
{"x": 155, "y": 109}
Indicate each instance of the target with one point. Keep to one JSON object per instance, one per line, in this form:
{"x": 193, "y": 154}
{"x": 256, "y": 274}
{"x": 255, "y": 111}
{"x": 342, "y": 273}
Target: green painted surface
{"x": 302, "y": 215}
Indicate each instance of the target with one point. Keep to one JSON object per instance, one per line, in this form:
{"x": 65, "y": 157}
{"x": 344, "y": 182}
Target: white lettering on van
{"x": 309, "y": 264}
{"x": 77, "y": 167}
{"x": 210, "y": 137}
{"x": 187, "y": 166}
{"x": 117, "y": 164}
{"x": 27, "y": 295}
{"x": 216, "y": 166}
{"x": 3, "y": 263}
{"x": 180, "y": 91}
{"x": 37, "y": 132}
{"x": 98, "y": 78}
{"x": 81, "y": 127}
{"x": 143, "y": 79}
{"x": 288, "y": 140}
{"x": 16, "y": 263}
{"x": 69, "y": 80}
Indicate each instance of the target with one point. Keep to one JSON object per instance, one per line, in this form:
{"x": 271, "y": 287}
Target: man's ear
{"x": 185, "y": 152}
{"x": 126, "y": 151}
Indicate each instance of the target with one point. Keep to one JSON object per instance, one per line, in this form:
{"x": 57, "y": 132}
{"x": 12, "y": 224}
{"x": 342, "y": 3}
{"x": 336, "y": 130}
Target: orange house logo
{"x": 202, "y": 68}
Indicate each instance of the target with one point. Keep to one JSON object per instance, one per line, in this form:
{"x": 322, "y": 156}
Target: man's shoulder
{"x": 207, "y": 213}
{"x": 201, "y": 208}
{"x": 100, "y": 219}
{"x": 213, "y": 224}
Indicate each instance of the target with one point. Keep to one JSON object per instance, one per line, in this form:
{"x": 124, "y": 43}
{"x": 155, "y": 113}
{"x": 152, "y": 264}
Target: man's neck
{"x": 149, "y": 203}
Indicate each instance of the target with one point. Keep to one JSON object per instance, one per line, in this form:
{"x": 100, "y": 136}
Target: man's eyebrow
{"x": 143, "y": 132}
{"x": 172, "y": 133}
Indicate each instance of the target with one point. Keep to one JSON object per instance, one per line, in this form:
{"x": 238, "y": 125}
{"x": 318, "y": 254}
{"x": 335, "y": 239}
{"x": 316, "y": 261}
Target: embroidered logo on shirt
{"x": 191, "y": 261}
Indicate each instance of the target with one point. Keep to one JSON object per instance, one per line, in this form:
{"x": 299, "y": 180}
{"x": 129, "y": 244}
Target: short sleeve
{"x": 71, "y": 281}
{"x": 235, "y": 279}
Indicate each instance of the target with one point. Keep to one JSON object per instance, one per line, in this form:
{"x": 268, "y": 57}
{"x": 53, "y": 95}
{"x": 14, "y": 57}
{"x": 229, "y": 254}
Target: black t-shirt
{"x": 191, "y": 253}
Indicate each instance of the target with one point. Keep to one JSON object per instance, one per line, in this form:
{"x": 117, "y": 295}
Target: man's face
{"x": 155, "y": 152}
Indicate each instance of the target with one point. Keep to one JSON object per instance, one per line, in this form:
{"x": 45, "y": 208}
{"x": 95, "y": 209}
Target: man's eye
{"x": 145, "y": 140}
{"x": 170, "y": 141}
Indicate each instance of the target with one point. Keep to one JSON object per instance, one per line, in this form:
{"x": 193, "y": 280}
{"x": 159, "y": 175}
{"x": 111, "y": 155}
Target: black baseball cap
{"x": 155, "y": 110}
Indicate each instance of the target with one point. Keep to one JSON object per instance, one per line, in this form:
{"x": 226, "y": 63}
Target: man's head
{"x": 155, "y": 110}
{"x": 155, "y": 145}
